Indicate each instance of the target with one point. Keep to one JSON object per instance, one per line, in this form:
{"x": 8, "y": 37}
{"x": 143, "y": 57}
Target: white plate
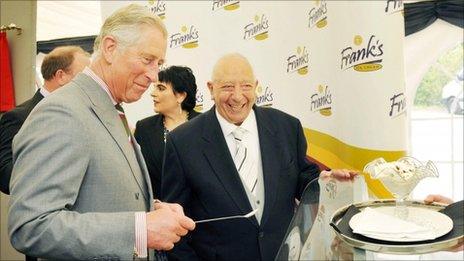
{"x": 439, "y": 223}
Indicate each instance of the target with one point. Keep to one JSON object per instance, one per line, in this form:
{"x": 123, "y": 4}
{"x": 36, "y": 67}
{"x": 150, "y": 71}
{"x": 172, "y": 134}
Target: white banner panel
{"x": 335, "y": 65}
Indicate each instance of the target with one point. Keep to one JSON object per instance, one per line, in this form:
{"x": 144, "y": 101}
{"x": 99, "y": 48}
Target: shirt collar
{"x": 44, "y": 91}
{"x": 100, "y": 82}
{"x": 228, "y": 128}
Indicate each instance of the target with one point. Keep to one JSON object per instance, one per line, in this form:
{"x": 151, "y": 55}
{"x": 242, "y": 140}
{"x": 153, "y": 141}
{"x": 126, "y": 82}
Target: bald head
{"x": 233, "y": 87}
{"x": 232, "y": 67}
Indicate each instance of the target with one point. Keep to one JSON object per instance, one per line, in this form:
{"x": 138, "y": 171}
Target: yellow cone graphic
{"x": 232, "y": 7}
{"x": 262, "y": 36}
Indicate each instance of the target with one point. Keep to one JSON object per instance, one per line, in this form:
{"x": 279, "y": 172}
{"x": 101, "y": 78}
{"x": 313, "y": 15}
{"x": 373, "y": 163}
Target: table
{"x": 310, "y": 237}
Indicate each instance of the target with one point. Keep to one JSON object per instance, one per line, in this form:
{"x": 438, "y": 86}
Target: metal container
{"x": 403, "y": 249}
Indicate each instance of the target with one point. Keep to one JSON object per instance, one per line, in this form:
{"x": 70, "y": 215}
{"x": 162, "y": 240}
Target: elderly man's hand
{"x": 339, "y": 174}
{"x": 166, "y": 225}
{"x": 437, "y": 198}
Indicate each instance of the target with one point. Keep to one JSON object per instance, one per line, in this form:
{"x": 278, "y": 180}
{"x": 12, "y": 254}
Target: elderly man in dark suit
{"x": 233, "y": 159}
{"x": 58, "y": 68}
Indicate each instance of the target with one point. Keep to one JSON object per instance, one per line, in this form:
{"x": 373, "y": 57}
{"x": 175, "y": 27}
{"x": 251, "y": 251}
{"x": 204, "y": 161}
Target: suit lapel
{"x": 107, "y": 114}
{"x": 270, "y": 147}
{"x": 37, "y": 97}
{"x": 143, "y": 168}
{"x": 217, "y": 153}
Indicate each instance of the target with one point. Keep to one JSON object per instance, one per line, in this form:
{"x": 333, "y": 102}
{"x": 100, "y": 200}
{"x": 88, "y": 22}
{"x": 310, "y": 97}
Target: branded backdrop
{"x": 335, "y": 65}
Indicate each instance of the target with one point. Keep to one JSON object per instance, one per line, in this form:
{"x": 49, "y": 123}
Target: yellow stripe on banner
{"x": 337, "y": 154}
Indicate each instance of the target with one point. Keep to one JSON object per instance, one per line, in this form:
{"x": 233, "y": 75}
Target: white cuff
{"x": 140, "y": 246}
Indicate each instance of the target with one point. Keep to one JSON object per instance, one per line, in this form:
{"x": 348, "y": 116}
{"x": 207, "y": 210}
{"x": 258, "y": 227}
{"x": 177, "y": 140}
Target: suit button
{"x": 261, "y": 234}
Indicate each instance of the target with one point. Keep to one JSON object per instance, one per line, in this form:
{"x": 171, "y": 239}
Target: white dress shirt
{"x": 251, "y": 141}
{"x": 44, "y": 91}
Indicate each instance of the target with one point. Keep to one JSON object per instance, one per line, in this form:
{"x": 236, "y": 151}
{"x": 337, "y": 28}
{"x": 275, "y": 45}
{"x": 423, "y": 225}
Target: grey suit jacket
{"x": 77, "y": 180}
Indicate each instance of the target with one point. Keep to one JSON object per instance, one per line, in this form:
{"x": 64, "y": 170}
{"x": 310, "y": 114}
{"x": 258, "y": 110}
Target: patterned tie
{"x": 122, "y": 115}
{"x": 243, "y": 161}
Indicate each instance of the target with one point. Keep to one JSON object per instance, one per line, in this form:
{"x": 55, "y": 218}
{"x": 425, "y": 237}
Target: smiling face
{"x": 233, "y": 88}
{"x": 134, "y": 68}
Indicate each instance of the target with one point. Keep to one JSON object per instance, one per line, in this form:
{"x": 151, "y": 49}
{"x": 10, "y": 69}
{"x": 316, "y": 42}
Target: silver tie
{"x": 243, "y": 161}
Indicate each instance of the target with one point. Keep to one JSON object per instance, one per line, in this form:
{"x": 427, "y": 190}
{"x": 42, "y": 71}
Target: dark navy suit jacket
{"x": 199, "y": 173}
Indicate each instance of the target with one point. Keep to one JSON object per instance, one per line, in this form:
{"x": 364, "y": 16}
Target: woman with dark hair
{"x": 174, "y": 98}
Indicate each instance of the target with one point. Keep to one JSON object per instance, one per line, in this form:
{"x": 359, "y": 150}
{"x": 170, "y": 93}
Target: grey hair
{"x": 124, "y": 24}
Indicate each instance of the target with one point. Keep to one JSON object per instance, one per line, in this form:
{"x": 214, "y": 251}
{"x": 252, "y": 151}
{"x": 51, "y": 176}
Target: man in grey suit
{"x": 80, "y": 190}
{"x": 58, "y": 68}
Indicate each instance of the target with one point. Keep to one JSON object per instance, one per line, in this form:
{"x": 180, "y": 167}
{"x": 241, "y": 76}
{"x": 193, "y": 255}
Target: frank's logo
{"x": 298, "y": 62}
{"x": 397, "y": 105}
{"x": 331, "y": 189}
{"x": 365, "y": 58}
{"x": 258, "y": 29}
{"x": 264, "y": 97}
{"x": 199, "y": 102}
{"x": 394, "y": 6}
{"x": 158, "y": 8}
{"x": 228, "y": 5}
{"x": 187, "y": 38}
{"x": 318, "y": 15}
{"x": 321, "y": 101}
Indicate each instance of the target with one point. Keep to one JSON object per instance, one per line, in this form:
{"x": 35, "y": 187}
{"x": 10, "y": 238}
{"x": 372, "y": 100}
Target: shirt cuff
{"x": 140, "y": 247}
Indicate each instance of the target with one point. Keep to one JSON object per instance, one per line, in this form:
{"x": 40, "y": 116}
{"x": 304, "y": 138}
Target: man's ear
{"x": 60, "y": 77}
{"x": 108, "y": 50}
{"x": 210, "y": 88}
{"x": 256, "y": 88}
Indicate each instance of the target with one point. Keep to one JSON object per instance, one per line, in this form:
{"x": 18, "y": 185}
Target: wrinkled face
{"x": 134, "y": 68}
{"x": 233, "y": 89}
{"x": 165, "y": 100}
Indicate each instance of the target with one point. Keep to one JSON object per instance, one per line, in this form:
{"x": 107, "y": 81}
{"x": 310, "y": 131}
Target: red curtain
{"x": 7, "y": 101}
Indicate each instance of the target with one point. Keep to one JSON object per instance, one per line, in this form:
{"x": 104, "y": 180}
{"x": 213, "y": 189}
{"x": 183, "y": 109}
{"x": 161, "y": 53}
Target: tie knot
{"x": 239, "y": 133}
{"x": 119, "y": 108}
